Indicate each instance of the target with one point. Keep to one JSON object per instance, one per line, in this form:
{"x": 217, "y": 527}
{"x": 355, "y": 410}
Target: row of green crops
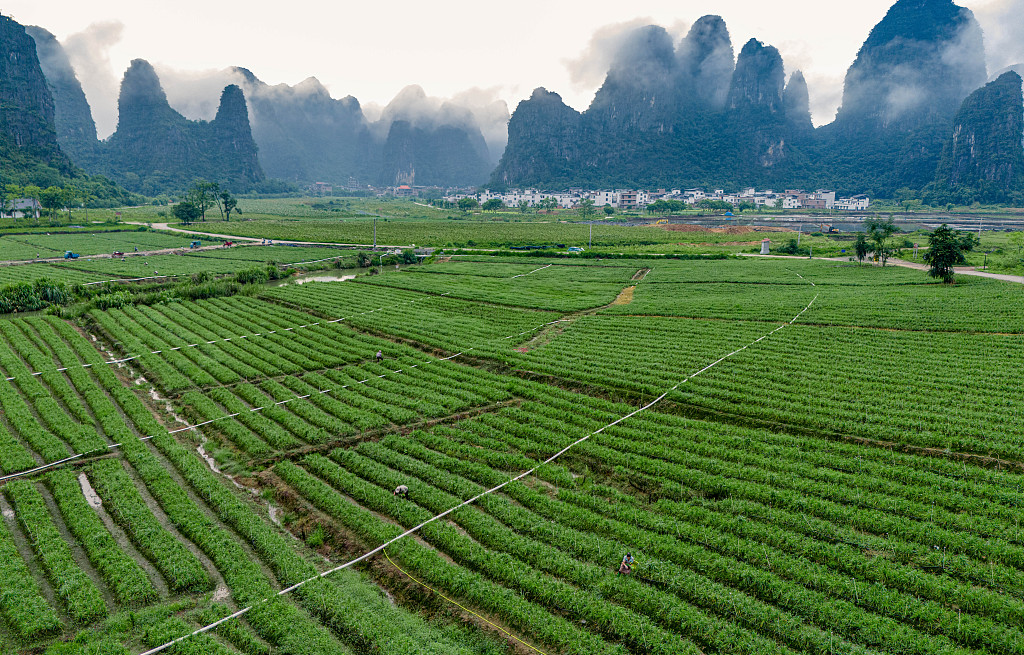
{"x": 54, "y": 272}
{"x": 331, "y": 616}
{"x": 180, "y": 568}
{"x": 550, "y": 271}
{"x": 21, "y": 600}
{"x": 74, "y": 588}
{"x": 322, "y": 407}
{"x": 886, "y": 385}
{"x": 971, "y": 306}
{"x": 440, "y": 321}
{"x": 551, "y": 288}
{"x": 791, "y": 564}
{"x": 120, "y": 572}
{"x": 26, "y": 246}
{"x": 226, "y": 341}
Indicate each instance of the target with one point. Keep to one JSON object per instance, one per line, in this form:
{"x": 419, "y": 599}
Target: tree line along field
{"x": 849, "y": 482}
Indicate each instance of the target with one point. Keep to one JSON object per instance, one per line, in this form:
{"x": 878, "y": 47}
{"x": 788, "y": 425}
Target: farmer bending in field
{"x": 627, "y": 563}
{"x": 401, "y": 490}
{"x": 380, "y": 355}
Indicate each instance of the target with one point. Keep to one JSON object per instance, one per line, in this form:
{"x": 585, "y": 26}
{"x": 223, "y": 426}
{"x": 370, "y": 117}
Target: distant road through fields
{"x": 959, "y": 270}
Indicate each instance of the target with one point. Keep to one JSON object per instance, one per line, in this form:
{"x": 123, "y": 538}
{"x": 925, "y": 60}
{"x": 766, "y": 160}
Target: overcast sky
{"x": 372, "y": 50}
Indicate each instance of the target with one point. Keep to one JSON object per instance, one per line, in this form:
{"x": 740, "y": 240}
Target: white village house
{"x": 23, "y": 208}
{"x": 638, "y": 199}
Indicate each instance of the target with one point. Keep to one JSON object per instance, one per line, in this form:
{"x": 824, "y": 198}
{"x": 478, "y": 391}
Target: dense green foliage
{"x": 26, "y": 297}
{"x": 29, "y": 153}
{"x": 984, "y": 160}
{"x": 946, "y": 249}
{"x": 73, "y": 586}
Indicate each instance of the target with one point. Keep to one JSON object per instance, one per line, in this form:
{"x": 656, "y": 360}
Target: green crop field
{"x": 218, "y": 261}
{"x": 28, "y": 246}
{"x": 396, "y": 226}
{"x": 800, "y": 456}
{"x": 153, "y": 529}
{"x": 278, "y": 254}
{"x": 59, "y": 272}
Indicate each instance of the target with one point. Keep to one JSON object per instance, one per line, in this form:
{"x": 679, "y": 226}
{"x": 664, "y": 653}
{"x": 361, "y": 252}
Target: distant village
{"x": 628, "y": 199}
{"x": 638, "y": 200}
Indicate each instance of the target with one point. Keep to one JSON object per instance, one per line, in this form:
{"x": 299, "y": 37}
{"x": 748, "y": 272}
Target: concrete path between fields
{"x": 959, "y": 270}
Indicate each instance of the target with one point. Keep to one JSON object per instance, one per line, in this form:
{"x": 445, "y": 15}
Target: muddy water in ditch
{"x": 340, "y": 275}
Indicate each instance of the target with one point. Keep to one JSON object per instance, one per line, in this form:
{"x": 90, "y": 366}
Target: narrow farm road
{"x": 962, "y": 270}
{"x": 959, "y": 270}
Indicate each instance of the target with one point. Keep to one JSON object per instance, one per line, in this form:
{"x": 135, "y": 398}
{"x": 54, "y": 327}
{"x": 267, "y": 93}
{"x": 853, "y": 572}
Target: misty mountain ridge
{"x": 984, "y": 155}
{"x": 30, "y": 151}
{"x": 303, "y": 135}
{"x": 692, "y": 112}
{"x": 666, "y": 115}
{"x": 689, "y": 114}
{"x": 156, "y": 149}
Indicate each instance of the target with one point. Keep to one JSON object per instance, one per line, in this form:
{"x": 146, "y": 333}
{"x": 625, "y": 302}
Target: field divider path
{"x": 60, "y": 462}
{"x": 242, "y": 336}
{"x": 316, "y": 261}
{"x": 131, "y": 279}
{"x": 624, "y": 297}
{"x": 803, "y": 278}
{"x": 531, "y": 272}
{"x": 493, "y": 489}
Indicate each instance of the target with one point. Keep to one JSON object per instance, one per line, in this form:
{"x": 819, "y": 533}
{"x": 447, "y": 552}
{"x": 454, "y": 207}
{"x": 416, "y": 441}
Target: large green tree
{"x": 203, "y": 195}
{"x": 52, "y": 199}
{"x": 227, "y": 204}
{"x": 186, "y": 211}
{"x": 946, "y": 249}
{"x": 861, "y": 247}
{"x": 879, "y": 233}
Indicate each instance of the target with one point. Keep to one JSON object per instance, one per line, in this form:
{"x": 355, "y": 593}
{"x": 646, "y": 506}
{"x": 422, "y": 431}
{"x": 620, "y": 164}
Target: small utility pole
{"x": 375, "y": 232}
{"x": 590, "y": 243}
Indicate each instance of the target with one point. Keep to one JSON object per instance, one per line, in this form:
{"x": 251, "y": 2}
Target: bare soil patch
{"x": 625, "y": 296}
